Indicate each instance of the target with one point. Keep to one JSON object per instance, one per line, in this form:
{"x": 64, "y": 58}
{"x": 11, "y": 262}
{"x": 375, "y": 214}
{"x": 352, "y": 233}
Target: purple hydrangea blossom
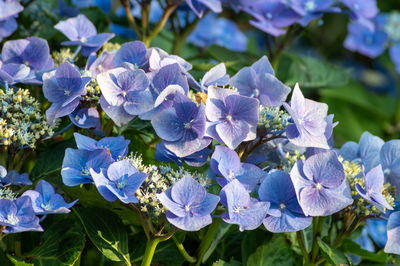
{"x": 367, "y": 151}
{"x": 86, "y": 118}
{"x": 320, "y": 184}
{"x": 189, "y": 205}
{"x": 312, "y": 9}
{"x": 200, "y": 6}
{"x": 14, "y": 178}
{"x": 182, "y": 126}
{"x": 14, "y": 73}
{"x": 46, "y": 201}
{"x": 18, "y": 216}
{"x": 285, "y": 213}
{"x": 196, "y": 159}
{"x": 63, "y": 87}
{"x": 226, "y": 163}
{"x": 96, "y": 65}
{"x": 390, "y": 160}
{"x": 393, "y": 234}
{"x": 76, "y": 165}
{"x": 369, "y": 42}
{"x": 232, "y": 118}
{"x": 7, "y": 27}
{"x": 81, "y": 31}
{"x": 259, "y": 81}
{"x": 372, "y": 190}
{"x": 216, "y": 76}
{"x": 362, "y": 8}
{"x": 116, "y": 147}
{"x": 159, "y": 58}
{"x": 125, "y": 94}
{"x": 243, "y": 210}
{"x": 310, "y": 125}
{"x": 271, "y": 16}
{"x": 119, "y": 181}
{"x": 8, "y": 11}
{"x": 134, "y": 53}
{"x": 33, "y": 52}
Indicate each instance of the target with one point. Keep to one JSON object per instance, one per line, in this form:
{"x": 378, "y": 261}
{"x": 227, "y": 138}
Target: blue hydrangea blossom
{"x": 393, "y": 234}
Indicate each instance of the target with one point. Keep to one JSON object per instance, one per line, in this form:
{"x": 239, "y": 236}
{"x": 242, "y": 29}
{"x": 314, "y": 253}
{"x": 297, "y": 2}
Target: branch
{"x": 126, "y": 4}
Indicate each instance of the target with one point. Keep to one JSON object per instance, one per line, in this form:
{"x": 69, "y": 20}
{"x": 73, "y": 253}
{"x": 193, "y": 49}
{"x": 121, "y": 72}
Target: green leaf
{"x": 50, "y": 160}
{"x": 310, "y": 72}
{"x": 18, "y": 261}
{"x": 251, "y": 241}
{"x": 332, "y": 255}
{"x": 349, "y": 246}
{"x": 275, "y": 252}
{"x": 224, "y": 263}
{"x": 106, "y": 231}
{"x": 62, "y": 244}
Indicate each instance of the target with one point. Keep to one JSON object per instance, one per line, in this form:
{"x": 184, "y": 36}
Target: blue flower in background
{"x": 362, "y": 8}
{"x": 126, "y": 93}
{"x": 367, "y": 150}
{"x": 232, "y": 118}
{"x": 259, "y": 81}
{"x": 376, "y": 228}
{"x": 14, "y": 178}
{"x": 63, "y": 88}
{"x": 105, "y": 5}
{"x": 119, "y": 181}
{"x": 243, "y": 210}
{"x": 285, "y": 213}
{"x": 81, "y": 31}
{"x": 196, "y": 159}
{"x": 200, "y": 6}
{"x": 189, "y": 205}
{"x": 221, "y": 31}
{"x": 226, "y": 163}
{"x": 394, "y": 52}
{"x": 271, "y": 16}
{"x": 76, "y": 165}
{"x": 312, "y": 9}
{"x": 372, "y": 191}
{"x": 33, "y": 52}
{"x": 369, "y": 42}
{"x": 18, "y": 216}
{"x": 46, "y": 201}
{"x": 116, "y": 147}
{"x": 310, "y": 125}
{"x": 393, "y": 234}
{"x": 9, "y": 9}
{"x": 320, "y": 184}
{"x": 182, "y": 126}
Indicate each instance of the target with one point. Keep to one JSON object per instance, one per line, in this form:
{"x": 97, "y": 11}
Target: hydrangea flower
{"x": 390, "y": 160}
{"x": 116, "y": 147}
{"x": 126, "y": 93}
{"x": 86, "y": 118}
{"x": 63, "y": 87}
{"x": 8, "y": 11}
{"x": 76, "y": 165}
{"x": 373, "y": 181}
{"x": 367, "y": 150}
{"x": 81, "y": 31}
{"x": 14, "y": 73}
{"x": 310, "y": 125}
{"x": 271, "y": 16}
{"x": 33, "y": 52}
{"x": 365, "y": 40}
{"x": 182, "y": 126}
{"x": 393, "y": 234}
{"x": 119, "y": 181}
{"x": 259, "y": 81}
{"x": 46, "y": 201}
{"x": 14, "y": 178}
{"x": 96, "y": 65}
{"x": 196, "y": 159}
{"x": 200, "y": 6}
{"x": 362, "y": 8}
{"x": 320, "y": 184}
{"x": 189, "y": 205}
{"x": 226, "y": 163}
{"x": 376, "y": 228}
{"x": 18, "y": 216}
{"x": 285, "y": 213}
{"x": 134, "y": 53}
{"x": 312, "y": 9}
{"x": 216, "y": 76}
{"x": 243, "y": 210}
{"x": 232, "y": 118}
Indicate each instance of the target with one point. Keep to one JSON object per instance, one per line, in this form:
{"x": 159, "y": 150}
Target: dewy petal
{"x": 189, "y": 223}
{"x": 36, "y": 53}
{"x": 188, "y": 192}
{"x": 325, "y": 168}
{"x": 393, "y": 234}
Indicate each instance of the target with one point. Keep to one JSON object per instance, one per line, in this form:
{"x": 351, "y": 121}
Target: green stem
{"x": 180, "y": 38}
{"x": 160, "y": 25}
{"x": 131, "y": 20}
{"x": 183, "y": 251}
{"x": 207, "y": 240}
{"x": 318, "y": 223}
{"x": 303, "y": 247}
{"x": 149, "y": 252}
